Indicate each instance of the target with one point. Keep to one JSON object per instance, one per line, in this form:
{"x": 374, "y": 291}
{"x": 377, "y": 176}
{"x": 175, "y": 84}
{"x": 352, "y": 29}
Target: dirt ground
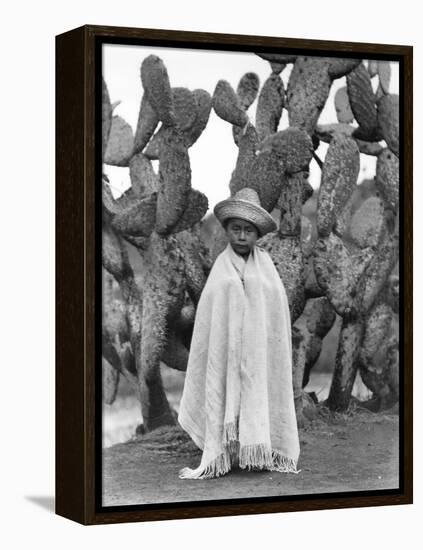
{"x": 352, "y": 452}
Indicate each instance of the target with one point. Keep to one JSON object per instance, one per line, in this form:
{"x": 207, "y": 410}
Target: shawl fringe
{"x": 251, "y": 457}
{"x": 216, "y": 468}
{"x": 262, "y": 457}
{"x": 248, "y": 457}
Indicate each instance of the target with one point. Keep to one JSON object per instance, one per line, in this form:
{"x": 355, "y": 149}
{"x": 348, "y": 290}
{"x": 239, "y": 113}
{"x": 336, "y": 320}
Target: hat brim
{"x": 245, "y": 210}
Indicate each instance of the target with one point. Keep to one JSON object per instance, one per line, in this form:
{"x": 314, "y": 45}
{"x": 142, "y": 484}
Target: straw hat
{"x": 245, "y": 205}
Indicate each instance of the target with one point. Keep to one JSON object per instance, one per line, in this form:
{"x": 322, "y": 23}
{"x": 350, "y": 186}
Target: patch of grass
{"x": 166, "y": 439}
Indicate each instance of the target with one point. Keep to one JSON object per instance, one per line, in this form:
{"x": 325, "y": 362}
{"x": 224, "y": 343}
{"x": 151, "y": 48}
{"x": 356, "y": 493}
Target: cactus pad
{"x": 120, "y": 144}
{"x": 379, "y": 93}
{"x": 266, "y": 177}
{"x": 114, "y": 255}
{"x": 144, "y": 180}
{"x": 165, "y": 278}
{"x": 203, "y": 107}
{"x": 379, "y": 361}
{"x": 276, "y": 67}
{"x": 363, "y": 103}
{"x": 269, "y": 107}
{"x": 341, "y": 66}
{"x": 384, "y": 72}
{"x": 152, "y": 151}
{"x": 339, "y": 178}
{"x": 343, "y": 219}
{"x": 194, "y": 212}
{"x": 138, "y": 219}
{"x": 247, "y": 89}
{"x": 198, "y": 119}
{"x": 287, "y": 257}
{"x": 147, "y": 123}
{"x": 308, "y": 90}
{"x": 388, "y": 120}
{"x": 112, "y": 206}
{"x": 110, "y": 378}
{"x": 372, "y": 68}
{"x": 290, "y": 204}
{"x": 369, "y": 147}
{"x": 174, "y": 182}
{"x": 319, "y": 316}
{"x": 334, "y": 273}
{"x": 227, "y": 105}
{"x": 379, "y": 269}
{"x": 387, "y": 177}
{"x": 278, "y": 58}
{"x": 196, "y": 262}
{"x": 293, "y": 146}
{"x": 325, "y": 132}
{"x": 184, "y": 107}
{"x": 246, "y": 155}
{"x": 109, "y": 204}
{"x": 367, "y": 223}
{"x": 155, "y": 81}
{"x": 378, "y": 323}
{"x": 307, "y": 190}
{"x": 345, "y": 364}
{"x": 344, "y": 113}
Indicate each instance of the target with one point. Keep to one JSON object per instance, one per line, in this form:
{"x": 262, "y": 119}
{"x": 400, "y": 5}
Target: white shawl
{"x": 238, "y": 403}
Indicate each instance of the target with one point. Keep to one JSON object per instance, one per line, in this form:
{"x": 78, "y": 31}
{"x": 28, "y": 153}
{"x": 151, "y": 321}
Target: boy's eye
{"x": 237, "y": 229}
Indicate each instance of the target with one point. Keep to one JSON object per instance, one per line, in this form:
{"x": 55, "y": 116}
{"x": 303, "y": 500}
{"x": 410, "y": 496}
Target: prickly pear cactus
{"x": 356, "y": 250}
{"x": 363, "y": 103}
{"x": 339, "y": 178}
{"x": 343, "y": 265}
{"x": 146, "y": 320}
{"x": 347, "y": 266}
{"x": 269, "y": 107}
{"x": 378, "y": 359}
{"x": 308, "y": 90}
{"x": 228, "y": 105}
{"x": 353, "y": 273}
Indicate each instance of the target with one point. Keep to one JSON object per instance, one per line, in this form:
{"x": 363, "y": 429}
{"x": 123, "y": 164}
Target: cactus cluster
{"x": 349, "y": 270}
{"x": 149, "y": 320}
{"x": 356, "y": 254}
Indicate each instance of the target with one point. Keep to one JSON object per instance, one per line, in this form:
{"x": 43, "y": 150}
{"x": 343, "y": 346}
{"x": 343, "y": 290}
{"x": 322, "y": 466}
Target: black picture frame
{"x": 78, "y": 272}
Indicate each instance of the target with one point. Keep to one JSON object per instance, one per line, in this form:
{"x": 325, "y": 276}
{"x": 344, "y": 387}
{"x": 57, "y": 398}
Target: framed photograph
{"x": 234, "y": 274}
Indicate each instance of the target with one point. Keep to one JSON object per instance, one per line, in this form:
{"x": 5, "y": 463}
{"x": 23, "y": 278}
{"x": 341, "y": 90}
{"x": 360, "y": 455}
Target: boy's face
{"x": 242, "y": 235}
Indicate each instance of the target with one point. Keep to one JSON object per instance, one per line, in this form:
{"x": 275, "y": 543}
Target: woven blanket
{"x": 238, "y": 404}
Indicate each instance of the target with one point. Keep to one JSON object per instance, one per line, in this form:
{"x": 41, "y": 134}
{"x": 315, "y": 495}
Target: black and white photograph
{"x": 211, "y": 275}
{"x": 251, "y": 275}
